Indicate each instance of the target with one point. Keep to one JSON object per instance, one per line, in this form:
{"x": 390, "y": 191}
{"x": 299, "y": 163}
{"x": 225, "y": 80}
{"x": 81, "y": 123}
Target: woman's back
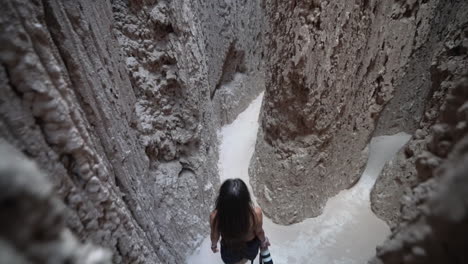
{"x": 237, "y": 222}
{"x": 254, "y": 227}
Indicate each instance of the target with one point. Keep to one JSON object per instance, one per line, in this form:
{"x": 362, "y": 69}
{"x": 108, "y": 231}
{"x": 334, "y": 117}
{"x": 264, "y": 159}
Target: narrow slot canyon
{"x": 120, "y": 120}
{"x": 333, "y": 237}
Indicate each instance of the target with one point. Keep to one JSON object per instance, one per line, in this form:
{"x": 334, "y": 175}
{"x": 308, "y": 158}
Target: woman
{"x": 238, "y": 223}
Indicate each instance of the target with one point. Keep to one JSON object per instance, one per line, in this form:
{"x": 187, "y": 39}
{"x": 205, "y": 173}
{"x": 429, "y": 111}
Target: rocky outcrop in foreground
{"x": 116, "y": 101}
{"x": 33, "y": 221}
{"x": 440, "y": 63}
{"x": 435, "y": 215}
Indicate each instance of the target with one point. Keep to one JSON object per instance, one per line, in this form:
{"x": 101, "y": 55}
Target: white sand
{"x": 346, "y": 232}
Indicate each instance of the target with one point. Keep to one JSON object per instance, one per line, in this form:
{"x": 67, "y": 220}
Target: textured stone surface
{"x": 32, "y": 219}
{"x": 332, "y": 67}
{"x": 439, "y": 64}
{"x": 435, "y": 215}
{"x": 116, "y": 101}
{"x": 232, "y": 37}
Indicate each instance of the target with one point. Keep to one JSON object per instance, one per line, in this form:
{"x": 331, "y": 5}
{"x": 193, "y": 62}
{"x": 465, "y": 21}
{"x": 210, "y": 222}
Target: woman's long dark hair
{"x": 235, "y": 213}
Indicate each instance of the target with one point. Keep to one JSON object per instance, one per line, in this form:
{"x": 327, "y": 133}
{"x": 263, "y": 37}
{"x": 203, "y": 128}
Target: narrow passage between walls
{"x": 346, "y": 232}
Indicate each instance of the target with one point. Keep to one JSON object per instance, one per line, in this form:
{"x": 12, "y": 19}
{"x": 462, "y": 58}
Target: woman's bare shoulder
{"x": 258, "y": 212}
{"x": 213, "y": 214}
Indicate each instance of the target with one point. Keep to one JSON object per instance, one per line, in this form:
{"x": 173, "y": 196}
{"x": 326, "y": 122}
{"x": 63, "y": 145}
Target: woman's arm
{"x": 259, "y": 224}
{"x": 259, "y": 232}
{"x": 214, "y": 232}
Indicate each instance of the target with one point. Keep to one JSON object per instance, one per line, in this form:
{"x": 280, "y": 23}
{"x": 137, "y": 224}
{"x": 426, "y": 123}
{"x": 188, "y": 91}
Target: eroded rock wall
{"x": 116, "y": 101}
{"x": 32, "y": 219}
{"x": 435, "y": 215}
{"x": 438, "y": 65}
{"x": 332, "y": 66}
{"x": 422, "y": 192}
{"x": 233, "y": 31}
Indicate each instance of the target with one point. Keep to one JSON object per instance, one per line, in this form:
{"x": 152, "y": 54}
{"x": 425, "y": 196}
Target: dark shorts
{"x": 251, "y": 251}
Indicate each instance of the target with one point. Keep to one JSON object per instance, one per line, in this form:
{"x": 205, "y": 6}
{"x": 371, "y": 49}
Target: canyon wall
{"x": 422, "y": 192}
{"x": 32, "y": 219}
{"x": 232, "y": 34}
{"x": 339, "y": 73}
{"x": 332, "y": 68}
{"x": 438, "y": 65}
{"x": 117, "y": 101}
{"x": 434, "y": 215}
